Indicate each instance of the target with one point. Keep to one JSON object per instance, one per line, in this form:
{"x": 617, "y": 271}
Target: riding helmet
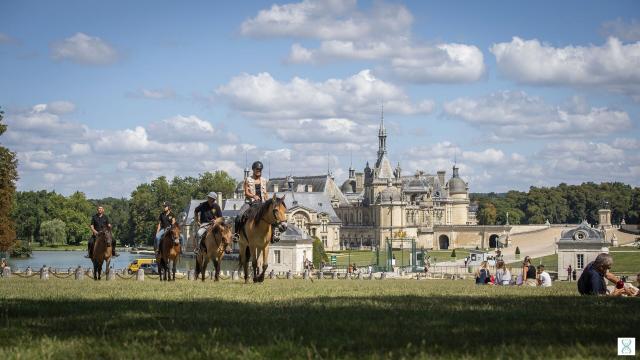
{"x": 166, "y": 204}
{"x": 257, "y": 165}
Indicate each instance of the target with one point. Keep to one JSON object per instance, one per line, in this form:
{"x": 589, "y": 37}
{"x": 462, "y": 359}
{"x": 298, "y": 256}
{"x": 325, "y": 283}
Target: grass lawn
{"x": 367, "y": 257}
{"x": 623, "y": 262}
{"x": 281, "y": 319}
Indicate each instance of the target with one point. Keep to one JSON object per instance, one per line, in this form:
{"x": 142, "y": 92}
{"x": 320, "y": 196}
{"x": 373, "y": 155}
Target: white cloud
{"x": 329, "y": 20}
{"x": 619, "y": 28}
{"x": 61, "y": 107}
{"x": 84, "y": 49}
{"x": 80, "y": 149}
{"x": 614, "y": 64}
{"x": 357, "y": 97}
{"x": 381, "y": 33}
{"x": 510, "y": 114}
{"x": 627, "y": 143}
{"x": 182, "y": 129}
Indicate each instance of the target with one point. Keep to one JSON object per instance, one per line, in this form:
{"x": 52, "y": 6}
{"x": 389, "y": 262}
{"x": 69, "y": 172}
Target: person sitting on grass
{"x": 503, "y": 275}
{"x": 592, "y": 280}
{"x": 544, "y": 279}
{"x": 482, "y": 274}
{"x": 529, "y": 273}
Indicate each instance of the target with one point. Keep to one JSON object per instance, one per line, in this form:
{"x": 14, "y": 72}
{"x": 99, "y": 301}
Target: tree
{"x": 487, "y": 213}
{"x": 53, "y": 232}
{"x": 319, "y": 255}
{"x": 8, "y": 178}
{"x": 453, "y": 253}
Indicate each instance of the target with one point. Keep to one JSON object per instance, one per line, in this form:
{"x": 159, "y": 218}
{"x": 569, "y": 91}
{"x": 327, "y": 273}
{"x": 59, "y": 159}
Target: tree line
{"x": 49, "y": 218}
{"x": 560, "y": 204}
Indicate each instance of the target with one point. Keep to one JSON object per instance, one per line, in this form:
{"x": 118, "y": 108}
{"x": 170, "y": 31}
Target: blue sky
{"x": 101, "y": 96}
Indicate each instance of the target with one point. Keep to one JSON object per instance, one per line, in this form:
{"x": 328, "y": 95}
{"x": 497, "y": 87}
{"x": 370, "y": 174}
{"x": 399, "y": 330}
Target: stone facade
{"x": 290, "y": 253}
{"x": 578, "y": 247}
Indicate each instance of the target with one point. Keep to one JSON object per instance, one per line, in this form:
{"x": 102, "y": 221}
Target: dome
{"x": 348, "y": 186}
{"x": 456, "y": 184}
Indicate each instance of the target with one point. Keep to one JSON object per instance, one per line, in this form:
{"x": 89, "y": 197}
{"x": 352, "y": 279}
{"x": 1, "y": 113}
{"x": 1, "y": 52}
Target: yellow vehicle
{"x": 135, "y": 265}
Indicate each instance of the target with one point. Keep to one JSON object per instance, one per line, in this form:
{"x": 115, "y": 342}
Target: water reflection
{"x": 72, "y": 259}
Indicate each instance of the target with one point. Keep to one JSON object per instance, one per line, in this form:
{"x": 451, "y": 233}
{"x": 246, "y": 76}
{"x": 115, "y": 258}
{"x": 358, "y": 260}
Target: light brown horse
{"x": 255, "y": 235}
{"x": 170, "y": 251}
{"x": 217, "y": 243}
{"x": 101, "y": 253}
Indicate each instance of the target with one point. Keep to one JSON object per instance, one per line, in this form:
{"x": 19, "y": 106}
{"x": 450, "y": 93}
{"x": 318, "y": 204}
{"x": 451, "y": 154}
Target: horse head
{"x": 278, "y": 212}
{"x": 224, "y": 230}
{"x": 105, "y": 235}
{"x": 175, "y": 233}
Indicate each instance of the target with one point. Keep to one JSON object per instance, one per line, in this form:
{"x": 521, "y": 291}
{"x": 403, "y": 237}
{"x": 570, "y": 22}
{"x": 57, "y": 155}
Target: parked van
{"x": 135, "y": 265}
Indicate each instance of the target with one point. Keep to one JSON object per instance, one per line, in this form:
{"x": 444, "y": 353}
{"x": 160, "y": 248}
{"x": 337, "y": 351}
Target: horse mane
{"x": 256, "y": 213}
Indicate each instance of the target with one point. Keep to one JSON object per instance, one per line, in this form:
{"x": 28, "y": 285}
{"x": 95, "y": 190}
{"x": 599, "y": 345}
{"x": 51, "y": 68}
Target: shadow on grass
{"x": 380, "y": 326}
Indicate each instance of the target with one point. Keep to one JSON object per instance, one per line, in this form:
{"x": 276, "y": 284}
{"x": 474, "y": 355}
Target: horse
{"x": 255, "y": 235}
{"x": 217, "y": 242}
{"x": 170, "y": 251}
{"x": 101, "y": 253}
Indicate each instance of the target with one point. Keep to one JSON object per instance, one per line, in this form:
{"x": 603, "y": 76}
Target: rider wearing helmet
{"x": 255, "y": 192}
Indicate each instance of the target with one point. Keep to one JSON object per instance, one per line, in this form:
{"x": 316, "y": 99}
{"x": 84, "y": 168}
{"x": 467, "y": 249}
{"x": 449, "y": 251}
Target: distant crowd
{"x": 592, "y": 281}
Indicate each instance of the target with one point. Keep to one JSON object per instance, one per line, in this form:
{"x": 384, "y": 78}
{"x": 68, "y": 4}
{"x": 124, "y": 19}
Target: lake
{"x": 72, "y": 259}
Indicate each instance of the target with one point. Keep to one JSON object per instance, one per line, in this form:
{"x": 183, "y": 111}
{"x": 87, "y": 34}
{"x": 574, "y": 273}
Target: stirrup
{"x": 235, "y": 237}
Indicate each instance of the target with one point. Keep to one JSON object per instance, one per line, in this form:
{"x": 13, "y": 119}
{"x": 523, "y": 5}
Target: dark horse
{"x": 255, "y": 235}
{"x": 101, "y": 253}
{"x": 217, "y": 243}
{"x": 169, "y": 253}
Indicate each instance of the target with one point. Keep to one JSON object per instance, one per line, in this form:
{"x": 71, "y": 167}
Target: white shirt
{"x": 545, "y": 279}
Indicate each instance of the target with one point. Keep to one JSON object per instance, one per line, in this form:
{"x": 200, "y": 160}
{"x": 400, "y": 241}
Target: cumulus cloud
{"x": 182, "y": 129}
{"x": 510, "y": 114}
{"x": 61, "y": 107}
{"x": 356, "y": 97}
{"x": 381, "y": 33}
{"x": 628, "y": 31}
{"x": 84, "y": 49}
{"x": 614, "y": 65}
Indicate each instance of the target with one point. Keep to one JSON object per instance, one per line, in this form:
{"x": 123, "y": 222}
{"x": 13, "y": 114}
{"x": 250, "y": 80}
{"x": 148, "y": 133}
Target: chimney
{"x": 441, "y": 177}
{"x": 309, "y": 188}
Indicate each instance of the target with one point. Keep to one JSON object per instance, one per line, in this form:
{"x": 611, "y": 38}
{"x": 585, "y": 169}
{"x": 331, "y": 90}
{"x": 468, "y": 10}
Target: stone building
{"x": 382, "y": 203}
{"x": 578, "y": 247}
{"x": 291, "y": 252}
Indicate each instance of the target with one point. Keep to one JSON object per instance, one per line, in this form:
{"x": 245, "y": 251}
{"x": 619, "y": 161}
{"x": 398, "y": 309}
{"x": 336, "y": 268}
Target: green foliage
{"x": 146, "y": 200}
{"x": 453, "y": 253}
{"x": 561, "y": 204}
{"x": 53, "y": 232}
{"x": 517, "y": 250}
{"x": 319, "y": 255}
{"x": 21, "y": 250}
{"x": 8, "y": 178}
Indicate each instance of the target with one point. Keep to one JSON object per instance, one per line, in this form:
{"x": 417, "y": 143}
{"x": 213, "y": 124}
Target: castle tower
{"x": 458, "y": 193}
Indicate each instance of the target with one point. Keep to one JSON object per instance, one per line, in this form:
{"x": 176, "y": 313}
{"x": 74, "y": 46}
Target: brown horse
{"x": 170, "y": 251}
{"x": 255, "y": 235}
{"x": 101, "y": 253}
{"x": 217, "y": 242}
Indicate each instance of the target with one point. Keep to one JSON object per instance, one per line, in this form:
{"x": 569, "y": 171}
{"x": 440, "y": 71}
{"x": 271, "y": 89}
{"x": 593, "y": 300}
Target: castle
{"x": 372, "y": 206}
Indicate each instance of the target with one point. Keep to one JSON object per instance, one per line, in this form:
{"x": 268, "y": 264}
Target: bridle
{"x": 275, "y": 222}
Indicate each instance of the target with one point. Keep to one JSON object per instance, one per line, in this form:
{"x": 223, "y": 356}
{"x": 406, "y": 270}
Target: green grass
{"x": 445, "y": 255}
{"x": 282, "y": 319}
{"x": 367, "y": 257}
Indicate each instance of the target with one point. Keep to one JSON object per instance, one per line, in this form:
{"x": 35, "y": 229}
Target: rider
{"x": 255, "y": 192}
{"x": 165, "y": 221}
{"x": 100, "y": 222}
{"x": 208, "y": 211}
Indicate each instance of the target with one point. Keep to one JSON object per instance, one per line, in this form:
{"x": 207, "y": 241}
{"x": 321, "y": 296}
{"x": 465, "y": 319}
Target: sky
{"x": 102, "y": 96}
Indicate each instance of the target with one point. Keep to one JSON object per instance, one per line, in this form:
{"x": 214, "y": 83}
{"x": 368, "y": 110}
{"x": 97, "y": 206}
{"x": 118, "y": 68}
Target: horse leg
{"x": 204, "y": 267}
{"x": 173, "y": 268}
{"x": 254, "y": 263}
{"x": 216, "y": 265}
{"x": 265, "y": 263}
{"x": 95, "y": 271}
{"x": 244, "y": 261}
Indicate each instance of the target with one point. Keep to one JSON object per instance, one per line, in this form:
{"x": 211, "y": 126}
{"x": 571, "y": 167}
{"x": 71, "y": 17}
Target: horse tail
{"x": 247, "y": 254}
